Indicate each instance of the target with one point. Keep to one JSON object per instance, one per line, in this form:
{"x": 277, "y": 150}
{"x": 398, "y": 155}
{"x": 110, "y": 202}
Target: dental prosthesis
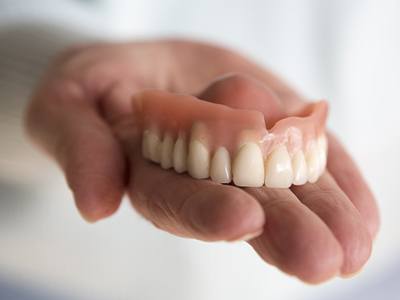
{"x": 228, "y": 144}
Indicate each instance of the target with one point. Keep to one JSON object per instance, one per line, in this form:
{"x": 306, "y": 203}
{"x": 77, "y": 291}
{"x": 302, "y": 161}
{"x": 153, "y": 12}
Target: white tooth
{"x": 323, "y": 142}
{"x": 323, "y": 151}
{"x": 198, "y": 162}
{"x": 154, "y": 146}
{"x": 221, "y": 166}
{"x": 313, "y": 164}
{"x": 248, "y": 166}
{"x": 299, "y": 166}
{"x": 145, "y": 144}
{"x": 179, "y": 155}
{"x": 278, "y": 169}
{"x": 167, "y": 148}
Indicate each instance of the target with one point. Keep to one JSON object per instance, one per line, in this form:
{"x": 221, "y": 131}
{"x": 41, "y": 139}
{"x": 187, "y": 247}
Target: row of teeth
{"x": 248, "y": 168}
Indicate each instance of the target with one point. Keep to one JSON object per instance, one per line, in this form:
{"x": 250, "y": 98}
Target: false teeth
{"x": 323, "y": 152}
{"x": 231, "y": 141}
{"x": 248, "y": 166}
{"x": 312, "y": 159}
{"x": 167, "y": 148}
{"x": 221, "y": 166}
{"x": 278, "y": 169}
{"x": 179, "y": 155}
{"x": 151, "y": 145}
{"x": 198, "y": 161}
{"x": 300, "y": 170}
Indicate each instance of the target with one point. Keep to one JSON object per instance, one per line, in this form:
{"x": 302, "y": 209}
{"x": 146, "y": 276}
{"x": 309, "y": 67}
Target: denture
{"x": 231, "y": 145}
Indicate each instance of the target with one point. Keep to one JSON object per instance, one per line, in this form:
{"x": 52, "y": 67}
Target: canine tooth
{"x": 313, "y": 164}
{"x": 299, "y": 166}
{"x": 221, "y": 166}
{"x": 153, "y": 146}
{"x": 198, "y": 162}
{"x": 278, "y": 169}
{"x": 145, "y": 144}
{"x": 248, "y": 166}
{"x": 167, "y": 148}
{"x": 179, "y": 155}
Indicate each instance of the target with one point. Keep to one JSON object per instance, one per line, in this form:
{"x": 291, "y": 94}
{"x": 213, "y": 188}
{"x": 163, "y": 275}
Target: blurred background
{"x": 345, "y": 51}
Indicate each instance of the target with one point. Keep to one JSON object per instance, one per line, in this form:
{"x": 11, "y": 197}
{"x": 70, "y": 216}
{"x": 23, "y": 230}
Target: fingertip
{"x": 357, "y": 249}
{"x": 319, "y": 263}
{"x": 298, "y": 242}
{"x": 95, "y": 206}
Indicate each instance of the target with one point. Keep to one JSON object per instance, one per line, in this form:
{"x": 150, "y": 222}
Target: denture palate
{"x": 209, "y": 140}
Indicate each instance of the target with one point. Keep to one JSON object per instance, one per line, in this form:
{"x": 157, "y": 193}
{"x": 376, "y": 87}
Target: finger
{"x": 294, "y": 238}
{"x": 65, "y": 122}
{"x": 350, "y": 180}
{"x": 327, "y": 200}
{"x": 193, "y": 208}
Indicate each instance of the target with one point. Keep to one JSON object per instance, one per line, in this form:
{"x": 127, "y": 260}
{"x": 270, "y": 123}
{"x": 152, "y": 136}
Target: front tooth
{"x": 323, "y": 151}
{"x": 179, "y": 155}
{"x": 313, "y": 164}
{"x": 278, "y": 169}
{"x": 299, "y": 166}
{"x": 248, "y": 166}
{"x": 152, "y": 145}
{"x": 221, "y": 166}
{"x": 167, "y": 148}
{"x": 198, "y": 162}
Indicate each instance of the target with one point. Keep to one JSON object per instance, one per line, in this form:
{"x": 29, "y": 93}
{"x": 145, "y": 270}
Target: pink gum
{"x": 225, "y": 126}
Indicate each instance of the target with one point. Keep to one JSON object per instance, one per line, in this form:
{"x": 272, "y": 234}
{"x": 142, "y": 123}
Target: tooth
{"x": 179, "y": 155}
{"x": 323, "y": 142}
{"x": 198, "y": 162}
{"x": 248, "y": 166}
{"x": 145, "y": 144}
{"x": 152, "y": 145}
{"x": 221, "y": 166}
{"x": 299, "y": 166}
{"x": 278, "y": 169}
{"x": 167, "y": 148}
{"x": 313, "y": 164}
{"x": 323, "y": 151}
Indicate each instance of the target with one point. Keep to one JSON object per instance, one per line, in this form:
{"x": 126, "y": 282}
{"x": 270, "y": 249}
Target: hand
{"x": 80, "y": 114}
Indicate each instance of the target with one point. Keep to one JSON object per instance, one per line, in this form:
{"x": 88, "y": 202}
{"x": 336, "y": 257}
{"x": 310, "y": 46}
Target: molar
{"x": 300, "y": 170}
{"x": 221, "y": 166}
{"x": 248, "y": 166}
{"x": 278, "y": 169}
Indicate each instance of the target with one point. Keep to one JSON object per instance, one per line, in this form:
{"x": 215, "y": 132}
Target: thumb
{"x": 64, "y": 121}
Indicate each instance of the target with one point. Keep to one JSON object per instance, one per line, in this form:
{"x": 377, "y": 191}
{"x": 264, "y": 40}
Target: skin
{"x": 80, "y": 115}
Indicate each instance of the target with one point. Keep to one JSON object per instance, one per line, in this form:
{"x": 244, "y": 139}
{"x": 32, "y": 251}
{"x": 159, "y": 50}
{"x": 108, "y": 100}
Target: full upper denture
{"x": 211, "y": 140}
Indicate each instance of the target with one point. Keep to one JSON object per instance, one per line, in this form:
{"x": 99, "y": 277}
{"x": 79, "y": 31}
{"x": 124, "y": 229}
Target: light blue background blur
{"x": 345, "y": 51}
